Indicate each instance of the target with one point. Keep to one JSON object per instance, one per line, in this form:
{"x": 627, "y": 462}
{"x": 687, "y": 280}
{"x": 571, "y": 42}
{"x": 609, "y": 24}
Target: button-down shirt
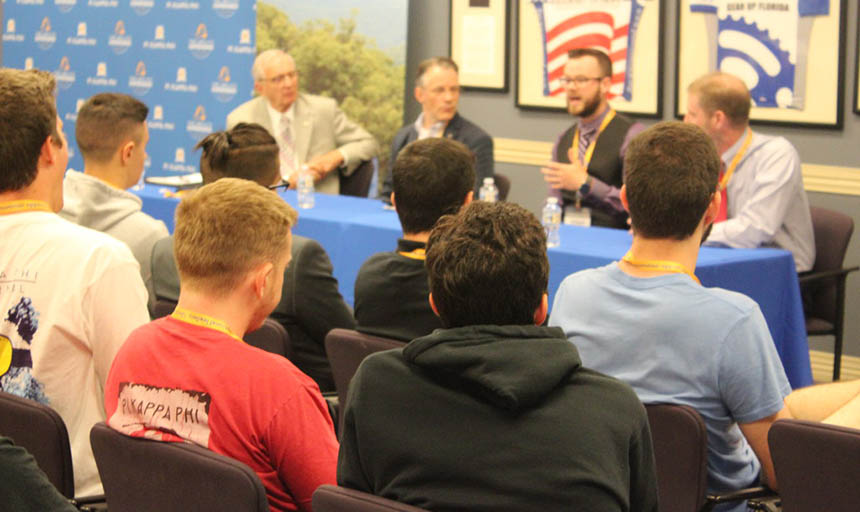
{"x": 767, "y": 202}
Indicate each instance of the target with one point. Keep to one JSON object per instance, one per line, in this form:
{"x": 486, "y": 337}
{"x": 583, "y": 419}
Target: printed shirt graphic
{"x": 608, "y": 25}
{"x": 20, "y": 324}
{"x": 765, "y": 43}
{"x": 165, "y": 414}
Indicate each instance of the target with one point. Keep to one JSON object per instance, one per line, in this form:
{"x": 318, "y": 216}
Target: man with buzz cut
{"x": 232, "y": 246}
{"x": 764, "y": 202}
{"x": 494, "y": 411}
{"x": 646, "y": 319}
{"x": 437, "y": 89}
{"x": 588, "y": 157}
{"x": 71, "y": 295}
{"x": 432, "y": 177}
{"x": 111, "y": 134}
{"x": 310, "y": 130}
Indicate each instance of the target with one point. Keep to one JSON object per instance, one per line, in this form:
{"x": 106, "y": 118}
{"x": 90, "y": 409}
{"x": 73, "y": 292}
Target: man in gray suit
{"x": 310, "y": 130}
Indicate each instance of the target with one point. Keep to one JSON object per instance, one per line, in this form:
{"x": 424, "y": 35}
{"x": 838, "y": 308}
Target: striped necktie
{"x": 287, "y": 153}
{"x": 585, "y": 138}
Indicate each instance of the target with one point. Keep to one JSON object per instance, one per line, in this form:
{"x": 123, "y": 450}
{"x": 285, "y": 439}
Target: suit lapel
{"x": 303, "y": 128}
{"x": 261, "y": 114}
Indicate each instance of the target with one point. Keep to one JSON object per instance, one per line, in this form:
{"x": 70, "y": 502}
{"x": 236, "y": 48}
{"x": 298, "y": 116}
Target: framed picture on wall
{"x": 630, "y": 31}
{"x": 479, "y": 43}
{"x": 857, "y": 68}
{"x": 788, "y": 52}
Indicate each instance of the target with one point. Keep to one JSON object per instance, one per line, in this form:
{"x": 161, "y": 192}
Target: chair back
{"x": 40, "y": 430}
{"x": 358, "y": 183}
{"x": 332, "y": 498}
{"x": 816, "y": 465}
{"x": 833, "y": 232}
{"x": 271, "y": 337}
{"x": 503, "y": 183}
{"x": 346, "y": 349}
{"x": 142, "y": 474}
{"x": 680, "y": 451}
{"x": 162, "y": 308}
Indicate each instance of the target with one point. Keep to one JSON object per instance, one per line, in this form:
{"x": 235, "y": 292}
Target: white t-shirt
{"x": 69, "y": 297}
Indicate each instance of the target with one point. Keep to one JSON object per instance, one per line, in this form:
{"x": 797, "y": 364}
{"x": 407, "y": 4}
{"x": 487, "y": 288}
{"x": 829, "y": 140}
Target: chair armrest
{"x": 817, "y": 276}
{"x": 90, "y": 503}
{"x": 712, "y": 500}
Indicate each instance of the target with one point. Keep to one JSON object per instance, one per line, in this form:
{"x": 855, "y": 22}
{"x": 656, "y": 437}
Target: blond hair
{"x": 227, "y": 228}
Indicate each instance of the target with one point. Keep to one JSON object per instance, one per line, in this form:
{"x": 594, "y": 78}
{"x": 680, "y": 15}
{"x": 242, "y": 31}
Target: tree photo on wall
{"x": 335, "y": 60}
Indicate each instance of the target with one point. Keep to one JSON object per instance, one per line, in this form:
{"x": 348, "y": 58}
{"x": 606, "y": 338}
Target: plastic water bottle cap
{"x": 488, "y": 181}
{"x": 552, "y": 200}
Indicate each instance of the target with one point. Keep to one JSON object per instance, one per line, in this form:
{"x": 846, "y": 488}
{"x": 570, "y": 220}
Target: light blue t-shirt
{"x": 675, "y": 341}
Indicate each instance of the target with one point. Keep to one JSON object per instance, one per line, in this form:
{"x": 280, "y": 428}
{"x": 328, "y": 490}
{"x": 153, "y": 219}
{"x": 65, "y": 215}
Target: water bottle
{"x": 305, "y": 189}
{"x": 551, "y": 220}
{"x": 488, "y": 191}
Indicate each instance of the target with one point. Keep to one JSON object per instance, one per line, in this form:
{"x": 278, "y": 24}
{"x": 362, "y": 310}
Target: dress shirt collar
{"x": 404, "y": 245}
{"x": 276, "y": 117}
{"x": 594, "y": 124}
{"x": 733, "y": 150}
{"x": 435, "y": 130}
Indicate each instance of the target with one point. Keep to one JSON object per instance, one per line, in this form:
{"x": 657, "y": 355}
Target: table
{"x": 352, "y": 229}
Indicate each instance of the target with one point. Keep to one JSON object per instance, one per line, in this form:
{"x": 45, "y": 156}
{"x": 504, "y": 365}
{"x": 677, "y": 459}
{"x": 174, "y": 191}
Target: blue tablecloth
{"x": 351, "y": 229}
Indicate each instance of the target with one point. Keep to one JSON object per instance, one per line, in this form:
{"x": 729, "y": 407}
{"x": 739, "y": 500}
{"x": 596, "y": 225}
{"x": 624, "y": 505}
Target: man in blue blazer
{"x": 437, "y": 89}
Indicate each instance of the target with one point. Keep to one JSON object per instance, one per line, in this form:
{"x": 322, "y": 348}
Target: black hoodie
{"x": 495, "y": 418}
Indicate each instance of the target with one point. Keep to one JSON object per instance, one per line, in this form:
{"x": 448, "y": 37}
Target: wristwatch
{"x": 586, "y": 187}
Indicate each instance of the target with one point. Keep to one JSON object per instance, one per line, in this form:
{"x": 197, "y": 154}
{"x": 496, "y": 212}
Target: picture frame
{"x": 857, "y": 70}
{"x": 743, "y": 38}
{"x": 630, "y": 30}
{"x": 479, "y": 40}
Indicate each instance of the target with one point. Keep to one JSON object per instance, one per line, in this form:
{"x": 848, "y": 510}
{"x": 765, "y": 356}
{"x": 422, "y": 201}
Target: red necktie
{"x": 724, "y": 204}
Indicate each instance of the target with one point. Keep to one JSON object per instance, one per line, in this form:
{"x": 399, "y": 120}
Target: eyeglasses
{"x": 283, "y": 184}
{"x": 279, "y": 79}
{"x": 579, "y": 81}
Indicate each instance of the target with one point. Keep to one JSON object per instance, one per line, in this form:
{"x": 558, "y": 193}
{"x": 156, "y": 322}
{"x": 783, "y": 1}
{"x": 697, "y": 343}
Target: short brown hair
{"x": 105, "y": 122}
{"x": 431, "y": 178}
{"x": 487, "y": 265}
{"x": 225, "y": 229}
{"x": 247, "y": 151}
{"x": 602, "y": 59}
{"x": 432, "y": 62}
{"x": 671, "y": 173}
{"x": 724, "y": 92}
{"x": 28, "y": 116}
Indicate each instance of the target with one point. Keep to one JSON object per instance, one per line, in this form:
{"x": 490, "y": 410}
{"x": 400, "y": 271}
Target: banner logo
{"x": 225, "y": 8}
{"x": 101, "y": 77}
{"x": 119, "y": 41}
{"x": 178, "y": 164}
{"x": 10, "y": 36}
{"x": 65, "y": 5}
{"x": 45, "y": 37}
{"x": 181, "y": 84}
{"x": 183, "y": 6}
{"x": 158, "y": 42}
{"x": 198, "y": 127}
{"x": 223, "y": 89}
{"x": 103, "y": 3}
{"x": 158, "y": 122}
{"x": 64, "y": 74}
{"x": 139, "y": 83}
{"x": 244, "y": 46}
{"x": 200, "y": 46}
{"x": 142, "y": 7}
{"x": 81, "y": 38}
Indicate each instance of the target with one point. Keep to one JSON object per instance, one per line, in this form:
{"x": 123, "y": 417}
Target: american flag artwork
{"x": 608, "y": 25}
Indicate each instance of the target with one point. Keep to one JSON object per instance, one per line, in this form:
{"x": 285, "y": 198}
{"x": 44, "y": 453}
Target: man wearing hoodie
{"x": 111, "y": 134}
{"x": 494, "y": 412}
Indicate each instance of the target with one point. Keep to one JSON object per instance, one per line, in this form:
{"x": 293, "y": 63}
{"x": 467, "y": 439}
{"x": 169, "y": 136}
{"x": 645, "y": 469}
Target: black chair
{"x": 271, "y": 336}
{"x": 142, "y": 474}
{"x": 358, "y": 183}
{"x": 332, "y": 498}
{"x": 824, "y": 287}
{"x": 680, "y": 443}
{"x": 816, "y": 466}
{"x": 346, "y": 349}
{"x": 40, "y": 430}
{"x": 503, "y": 183}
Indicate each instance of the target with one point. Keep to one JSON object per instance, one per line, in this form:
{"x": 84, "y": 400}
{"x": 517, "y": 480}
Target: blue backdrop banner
{"x": 189, "y": 61}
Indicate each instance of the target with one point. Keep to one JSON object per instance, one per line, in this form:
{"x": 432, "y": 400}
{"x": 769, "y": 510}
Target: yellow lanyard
{"x": 736, "y": 160}
{"x": 590, "y": 150}
{"x": 190, "y": 317}
{"x": 416, "y": 254}
{"x": 660, "y": 265}
{"x": 24, "y": 205}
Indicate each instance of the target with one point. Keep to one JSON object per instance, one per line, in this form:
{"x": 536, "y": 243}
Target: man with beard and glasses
{"x": 588, "y": 157}
{"x": 648, "y": 321}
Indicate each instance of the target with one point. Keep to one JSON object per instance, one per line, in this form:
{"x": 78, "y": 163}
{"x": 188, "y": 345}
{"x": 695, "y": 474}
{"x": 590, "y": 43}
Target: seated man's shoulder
{"x": 773, "y": 145}
{"x": 470, "y": 131}
{"x": 318, "y": 102}
{"x": 244, "y": 112}
{"x": 88, "y": 243}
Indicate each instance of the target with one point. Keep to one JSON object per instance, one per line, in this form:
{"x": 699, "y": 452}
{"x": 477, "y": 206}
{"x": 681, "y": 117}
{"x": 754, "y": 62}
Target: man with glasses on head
{"x": 310, "y": 130}
{"x": 588, "y": 157}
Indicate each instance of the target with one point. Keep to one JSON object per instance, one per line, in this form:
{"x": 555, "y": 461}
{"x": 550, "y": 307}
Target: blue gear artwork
{"x": 764, "y": 94}
{"x": 17, "y": 377}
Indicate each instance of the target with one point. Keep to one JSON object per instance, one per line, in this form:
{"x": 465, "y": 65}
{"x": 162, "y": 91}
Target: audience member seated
{"x": 648, "y": 321}
{"x": 310, "y": 130}
{"x": 431, "y": 178}
{"x": 437, "y": 89}
{"x": 494, "y": 412}
{"x": 23, "y": 486}
{"x": 836, "y": 403}
{"x": 200, "y": 382}
{"x": 311, "y": 304}
{"x": 71, "y": 295}
{"x": 761, "y": 183}
{"x": 111, "y": 133}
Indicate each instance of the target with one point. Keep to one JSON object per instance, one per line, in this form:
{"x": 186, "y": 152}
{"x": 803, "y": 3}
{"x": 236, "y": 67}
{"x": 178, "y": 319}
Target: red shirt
{"x": 175, "y": 381}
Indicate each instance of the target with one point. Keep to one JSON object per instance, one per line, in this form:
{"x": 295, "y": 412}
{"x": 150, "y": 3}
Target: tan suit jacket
{"x": 320, "y": 126}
